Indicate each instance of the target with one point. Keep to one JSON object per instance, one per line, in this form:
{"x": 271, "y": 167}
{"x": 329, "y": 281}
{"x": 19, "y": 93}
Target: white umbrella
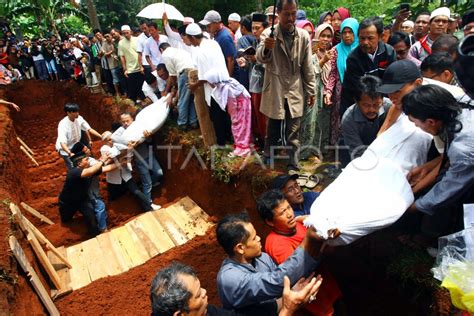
{"x": 156, "y": 10}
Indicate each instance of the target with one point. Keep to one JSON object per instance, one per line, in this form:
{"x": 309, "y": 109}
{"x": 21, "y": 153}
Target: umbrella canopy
{"x": 156, "y": 10}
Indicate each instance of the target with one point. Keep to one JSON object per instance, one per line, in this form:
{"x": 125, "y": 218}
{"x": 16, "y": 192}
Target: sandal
{"x": 312, "y": 182}
{"x": 302, "y": 180}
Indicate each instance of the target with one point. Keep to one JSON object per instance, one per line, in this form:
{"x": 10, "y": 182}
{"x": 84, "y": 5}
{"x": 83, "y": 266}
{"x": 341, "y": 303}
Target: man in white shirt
{"x": 70, "y": 132}
{"x": 152, "y": 86}
{"x": 141, "y": 45}
{"x": 178, "y": 63}
{"x": 209, "y": 56}
{"x": 119, "y": 180}
{"x": 152, "y": 51}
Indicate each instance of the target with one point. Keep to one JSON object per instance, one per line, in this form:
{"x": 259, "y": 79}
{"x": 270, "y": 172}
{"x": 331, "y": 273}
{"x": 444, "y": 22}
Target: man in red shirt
{"x": 286, "y": 235}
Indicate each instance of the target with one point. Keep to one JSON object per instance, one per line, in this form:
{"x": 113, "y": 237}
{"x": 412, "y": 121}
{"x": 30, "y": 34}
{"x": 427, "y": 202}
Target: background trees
{"x": 42, "y": 17}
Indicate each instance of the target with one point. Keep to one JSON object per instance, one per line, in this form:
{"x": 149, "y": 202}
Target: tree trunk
{"x": 92, "y": 13}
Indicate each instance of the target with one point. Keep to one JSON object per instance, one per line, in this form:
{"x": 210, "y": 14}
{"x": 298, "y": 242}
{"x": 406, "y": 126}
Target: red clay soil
{"x": 366, "y": 292}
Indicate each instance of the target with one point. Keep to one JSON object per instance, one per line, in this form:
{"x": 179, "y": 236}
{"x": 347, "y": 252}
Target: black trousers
{"x": 134, "y": 83}
{"x": 284, "y": 133}
{"x": 221, "y": 122}
{"x": 117, "y": 190}
{"x": 86, "y": 208}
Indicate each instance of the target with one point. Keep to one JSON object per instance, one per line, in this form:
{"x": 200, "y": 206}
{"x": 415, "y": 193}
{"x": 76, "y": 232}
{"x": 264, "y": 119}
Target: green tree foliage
{"x": 74, "y": 24}
{"x": 46, "y": 14}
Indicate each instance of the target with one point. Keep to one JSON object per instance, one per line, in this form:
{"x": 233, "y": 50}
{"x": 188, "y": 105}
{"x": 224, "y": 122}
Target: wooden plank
{"x": 43, "y": 240}
{"x": 172, "y": 229}
{"x": 79, "y": 273}
{"x": 202, "y": 111}
{"x": 26, "y": 146}
{"x": 135, "y": 227}
{"x": 43, "y": 259}
{"x": 32, "y": 276}
{"x": 36, "y": 213}
{"x": 94, "y": 259}
{"x": 131, "y": 244}
{"x": 193, "y": 209}
{"x": 155, "y": 231}
{"x": 63, "y": 273}
{"x": 29, "y": 155}
{"x": 182, "y": 219}
{"x": 116, "y": 261}
{"x": 200, "y": 219}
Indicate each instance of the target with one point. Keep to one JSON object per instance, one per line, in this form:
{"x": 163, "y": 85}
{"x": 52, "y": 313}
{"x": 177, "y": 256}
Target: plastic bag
{"x": 455, "y": 267}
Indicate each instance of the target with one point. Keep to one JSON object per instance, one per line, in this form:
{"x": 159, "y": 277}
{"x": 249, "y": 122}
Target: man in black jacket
{"x": 371, "y": 57}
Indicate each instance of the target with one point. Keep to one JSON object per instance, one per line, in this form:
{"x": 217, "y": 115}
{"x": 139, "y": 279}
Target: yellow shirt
{"x": 128, "y": 49}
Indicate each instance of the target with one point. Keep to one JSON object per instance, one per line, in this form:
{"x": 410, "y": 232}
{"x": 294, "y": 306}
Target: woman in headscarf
{"x": 306, "y": 25}
{"x": 325, "y": 17}
{"x": 332, "y": 91}
{"x": 314, "y": 135}
{"x": 338, "y": 16}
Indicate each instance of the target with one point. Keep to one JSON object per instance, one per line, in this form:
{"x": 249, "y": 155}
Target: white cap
{"x": 408, "y": 23}
{"x": 234, "y": 17}
{"x": 106, "y": 135}
{"x": 125, "y": 28}
{"x": 72, "y": 39}
{"x": 188, "y": 20}
{"x": 440, "y": 11}
{"x": 193, "y": 29}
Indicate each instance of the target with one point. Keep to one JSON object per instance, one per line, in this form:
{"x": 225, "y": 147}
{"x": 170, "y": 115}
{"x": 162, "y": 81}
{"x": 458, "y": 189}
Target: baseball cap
{"x": 397, "y": 75}
{"x": 125, "y": 28}
{"x": 234, "y": 17}
{"x": 211, "y": 17}
{"x": 193, "y": 29}
{"x": 269, "y": 10}
{"x": 280, "y": 181}
{"x": 440, "y": 11}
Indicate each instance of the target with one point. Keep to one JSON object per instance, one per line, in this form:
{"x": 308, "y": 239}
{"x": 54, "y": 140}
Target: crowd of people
{"x": 284, "y": 86}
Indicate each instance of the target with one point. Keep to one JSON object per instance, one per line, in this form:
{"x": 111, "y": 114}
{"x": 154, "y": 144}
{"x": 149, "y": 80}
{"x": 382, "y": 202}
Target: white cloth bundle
{"x": 372, "y": 192}
{"x": 149, "y": 119}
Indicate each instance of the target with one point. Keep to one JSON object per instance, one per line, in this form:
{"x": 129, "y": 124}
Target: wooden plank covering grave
{"x": 132, "y": 244}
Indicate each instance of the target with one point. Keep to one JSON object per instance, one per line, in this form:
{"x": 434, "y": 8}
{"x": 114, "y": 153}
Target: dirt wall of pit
{"x": 21, "y": 180}
{"x": 360, "y": 271}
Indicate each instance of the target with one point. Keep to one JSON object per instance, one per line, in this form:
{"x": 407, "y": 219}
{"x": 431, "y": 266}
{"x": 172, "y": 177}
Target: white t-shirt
{"x": 122, "y": 172}
{"x": 77, "y": 52}
{"x": 209, "y": 56}
{"x": 176, "y": 60}
{"x": 141, "y": 47}
{"x": 70, "y": 132}
{"x": 176, "y": 41}
{"x": 39, "y": 56}
{"x": 150, "y": 92}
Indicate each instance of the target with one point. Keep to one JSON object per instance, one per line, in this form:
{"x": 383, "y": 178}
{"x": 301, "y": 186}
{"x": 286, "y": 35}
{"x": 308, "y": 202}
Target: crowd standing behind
{"x": 280, "y": 85}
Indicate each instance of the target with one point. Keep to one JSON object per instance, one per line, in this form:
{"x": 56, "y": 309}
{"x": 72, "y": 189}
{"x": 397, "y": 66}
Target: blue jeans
{"x": 51, "y": 65}
{"x": 100, "y": 213}
{"x": 150, "y": 172}
{"x": 186, "y": 110}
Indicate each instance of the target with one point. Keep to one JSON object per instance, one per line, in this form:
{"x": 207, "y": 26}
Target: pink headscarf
{"x": 301, "y": 24}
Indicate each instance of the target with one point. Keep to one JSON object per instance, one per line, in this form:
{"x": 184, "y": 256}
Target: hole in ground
{"x": 359, "y": 269}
